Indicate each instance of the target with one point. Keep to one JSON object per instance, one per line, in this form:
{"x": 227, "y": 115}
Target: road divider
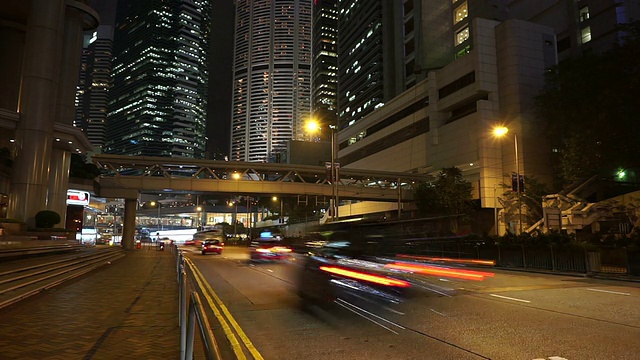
{"x": 610, "y": 292}
{"x": 509, "y": 298}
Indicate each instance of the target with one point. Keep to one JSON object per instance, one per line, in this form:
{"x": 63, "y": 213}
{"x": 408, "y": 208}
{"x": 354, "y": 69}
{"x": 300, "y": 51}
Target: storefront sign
{"x": 76, "y": 197}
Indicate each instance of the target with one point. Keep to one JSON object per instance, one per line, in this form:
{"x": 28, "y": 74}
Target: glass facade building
{"x": 92, "y": 95}
{"x": 160, "y": 76}
{"x": 325, "y": 61}
{"x": 271, "y": 77}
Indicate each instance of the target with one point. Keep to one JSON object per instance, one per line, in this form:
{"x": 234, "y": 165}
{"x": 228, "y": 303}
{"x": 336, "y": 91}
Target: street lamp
{"x": 280, "y": 215}
{"x": 235, "y": 214}
{"x": 157, "y": 204}
{"x": 199, "y": 219}
{"x": 501, "y": 131}
{"x": 312, "y": 127}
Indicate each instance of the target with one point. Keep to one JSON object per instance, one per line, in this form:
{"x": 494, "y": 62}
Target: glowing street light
{"x": 235, "y": 217}
{"x": 312, "y": 127}
{"x": 157, "y": 204}
{"x": 501, "y": 131}
{"x": 199, "y": 222}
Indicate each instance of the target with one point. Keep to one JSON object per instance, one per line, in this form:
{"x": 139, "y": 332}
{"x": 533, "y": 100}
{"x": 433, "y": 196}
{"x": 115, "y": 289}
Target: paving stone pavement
{"x": 125, "y": 310}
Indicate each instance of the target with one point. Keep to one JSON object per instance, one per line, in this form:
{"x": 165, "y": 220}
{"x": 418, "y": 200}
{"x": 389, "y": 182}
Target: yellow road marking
{"x": 245, "y": 339}
{"x": 235, "y": 344}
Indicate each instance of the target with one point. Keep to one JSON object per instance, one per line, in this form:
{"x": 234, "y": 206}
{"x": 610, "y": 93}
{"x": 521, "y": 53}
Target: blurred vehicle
{"x": 346, "y": 274}
{"x": 269, "y": 249}
{"x": 212, "y": 246}
{"x": 211, "y": 234}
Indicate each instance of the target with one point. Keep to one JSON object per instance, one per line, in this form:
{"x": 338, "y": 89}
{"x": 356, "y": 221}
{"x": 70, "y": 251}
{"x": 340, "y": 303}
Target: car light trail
{"x": 462, "y": 261}
{"x": 438, "y": 271}
{"x": 364, "y": 276}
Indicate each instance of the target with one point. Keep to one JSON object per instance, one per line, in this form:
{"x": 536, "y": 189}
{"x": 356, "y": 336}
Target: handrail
{"x": 187, "y": 317}
{"x": 196, "y": 312}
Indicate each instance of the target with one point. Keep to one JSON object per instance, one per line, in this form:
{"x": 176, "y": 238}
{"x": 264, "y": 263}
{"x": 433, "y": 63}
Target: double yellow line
{"x": 219, "y": 309}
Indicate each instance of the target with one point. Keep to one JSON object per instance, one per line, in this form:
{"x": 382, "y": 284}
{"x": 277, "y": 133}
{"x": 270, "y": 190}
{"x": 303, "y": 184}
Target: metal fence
{"x": 560, "y": 258}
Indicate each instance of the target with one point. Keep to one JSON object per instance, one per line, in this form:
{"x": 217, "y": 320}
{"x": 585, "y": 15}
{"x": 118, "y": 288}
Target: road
{"x": 513, "y": 315}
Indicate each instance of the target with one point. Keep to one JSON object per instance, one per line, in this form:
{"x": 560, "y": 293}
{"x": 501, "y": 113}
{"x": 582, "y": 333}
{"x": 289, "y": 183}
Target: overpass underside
{"x": 126, "y": 176}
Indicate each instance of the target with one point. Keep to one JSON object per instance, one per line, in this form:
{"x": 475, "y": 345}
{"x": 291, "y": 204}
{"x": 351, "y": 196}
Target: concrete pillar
{"x": 129, "y": 224}
{"x": 65, "y": 109}
{"x": 59, "y": 181}
{"x": 11, "y": 49}
{"x": 29, "y": 180}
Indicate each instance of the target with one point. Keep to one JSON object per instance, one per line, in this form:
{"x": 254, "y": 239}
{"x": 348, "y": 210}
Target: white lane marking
{"x": 439, "y": 313}
{"x": 269, "y": 270}
{"x": 556, "y": 358}
{"x": 610, "y": 292}
{"x": 509, "y": 298}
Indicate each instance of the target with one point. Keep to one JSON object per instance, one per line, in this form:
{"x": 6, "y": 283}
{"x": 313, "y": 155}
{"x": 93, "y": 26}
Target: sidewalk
{"x": 124, "y": 310}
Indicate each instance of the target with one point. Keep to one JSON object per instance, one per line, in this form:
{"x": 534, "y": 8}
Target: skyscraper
{"x": 271, "y": 75}
{"x": 92, "y": 95}
{"x": 160, "y": 76}
{"x": 325, "y": 61}
{"x": 93, "y": 85}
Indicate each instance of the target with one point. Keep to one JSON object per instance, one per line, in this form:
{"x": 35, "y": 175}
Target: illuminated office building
{"x": 325, "y": 61}
{"x": 93, "y": 85}
{"x": 158, "y": 98}
{"x": 271, "y": 77}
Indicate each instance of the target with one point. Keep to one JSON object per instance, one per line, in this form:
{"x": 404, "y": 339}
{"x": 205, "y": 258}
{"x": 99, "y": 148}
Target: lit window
{"x": 584, "y": 13}
{"x": 586, "y": 34}
{"x": 462, "y": 35}
{"x": 460, "y": 13}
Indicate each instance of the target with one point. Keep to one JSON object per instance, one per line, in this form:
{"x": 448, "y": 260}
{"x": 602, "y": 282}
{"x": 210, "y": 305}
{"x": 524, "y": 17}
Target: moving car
{"x": 346, "y": 273}
{"x": 212, "y": 246}
{"x": 202, "y": 236}
{"x": 269, "y": 250}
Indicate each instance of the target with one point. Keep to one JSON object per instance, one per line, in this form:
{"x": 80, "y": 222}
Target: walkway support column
{"x": 129, "y": 223}
{"x": 65, "y": 108}
{"x": 29, "y": 178}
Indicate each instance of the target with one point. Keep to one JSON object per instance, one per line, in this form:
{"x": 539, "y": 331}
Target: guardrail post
{"x": 553, "y": 262}
{"x": 190, "y": 330}
{"x": 183, "y": 309}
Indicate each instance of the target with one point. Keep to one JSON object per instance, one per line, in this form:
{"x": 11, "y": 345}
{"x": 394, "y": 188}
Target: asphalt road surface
{"x": 512, "y": 315}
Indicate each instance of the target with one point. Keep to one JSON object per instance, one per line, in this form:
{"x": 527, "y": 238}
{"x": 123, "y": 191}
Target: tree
{"x": 589, "y": 108}
{"x": 81, "y": 169}
{"x": 449, "y": 194}
{"x": 531, "y": 200}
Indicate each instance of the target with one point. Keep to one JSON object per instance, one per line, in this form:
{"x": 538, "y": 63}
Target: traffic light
{"x": 514, "y": 182}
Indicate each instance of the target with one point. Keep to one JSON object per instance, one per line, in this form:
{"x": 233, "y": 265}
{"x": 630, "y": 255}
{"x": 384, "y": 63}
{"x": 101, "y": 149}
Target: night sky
{"x": 220, "y": 78}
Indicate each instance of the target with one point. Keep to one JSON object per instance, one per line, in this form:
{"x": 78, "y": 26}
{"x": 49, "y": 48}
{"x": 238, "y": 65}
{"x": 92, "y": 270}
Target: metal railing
{"x": 574, "y": 258}
{"x": 191, "y": 312}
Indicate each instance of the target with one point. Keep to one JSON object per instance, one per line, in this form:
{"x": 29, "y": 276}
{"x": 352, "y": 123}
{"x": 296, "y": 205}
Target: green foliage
{"x": 229, "y": 229}
{"x": 46, "y": 219}
{"x": 531, "y": 201}
{"x": 589, "y": 107}
{"x": 449, "y": 194}
{"x": 81, "y": 169}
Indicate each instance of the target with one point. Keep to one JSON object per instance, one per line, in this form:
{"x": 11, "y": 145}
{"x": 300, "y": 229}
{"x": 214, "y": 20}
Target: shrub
{"x": 46, "y": 219}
